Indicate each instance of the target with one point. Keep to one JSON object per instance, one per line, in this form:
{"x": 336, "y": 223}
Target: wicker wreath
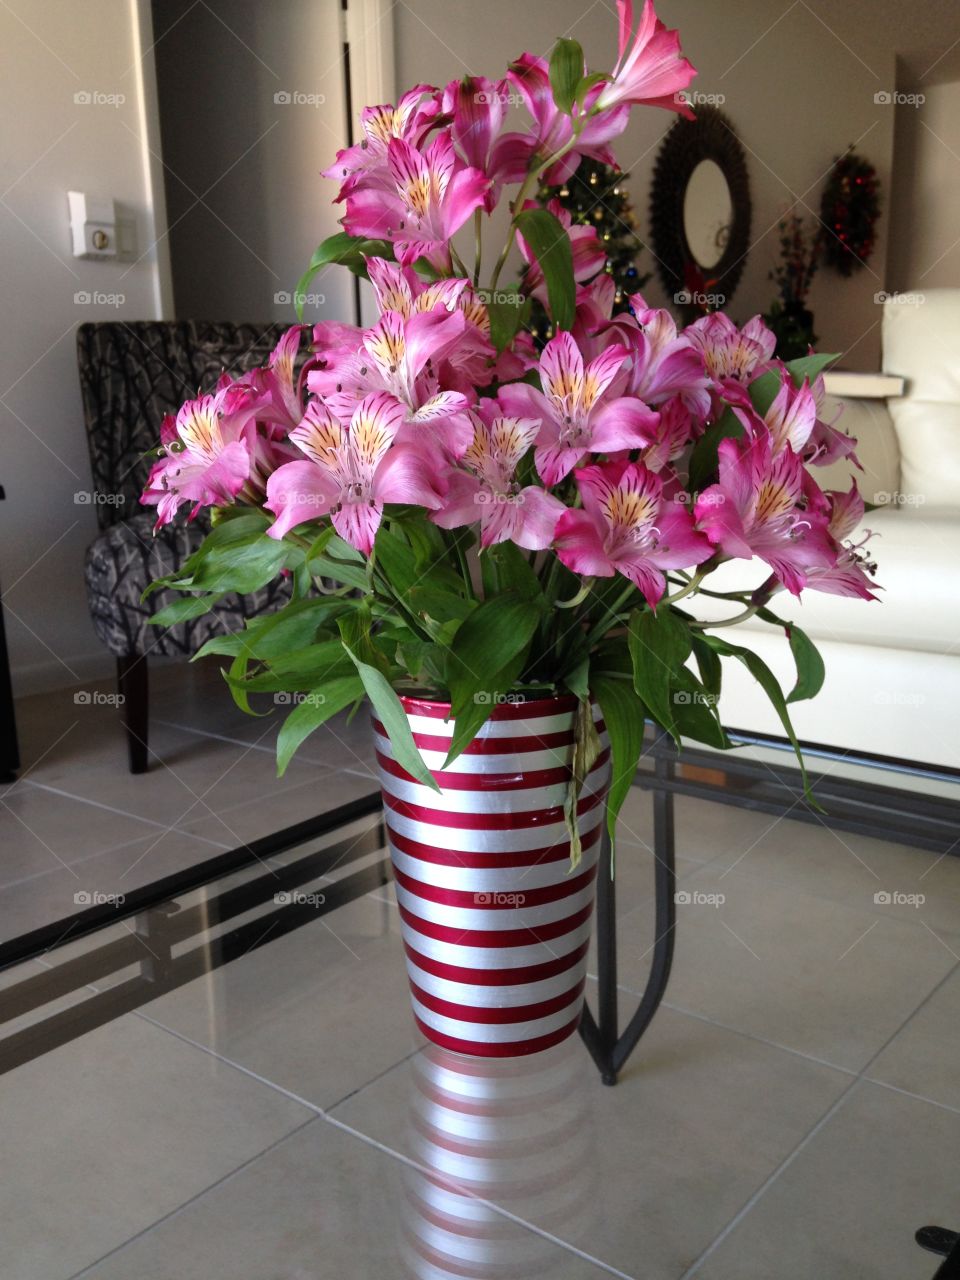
{"x": 710, "y": 136}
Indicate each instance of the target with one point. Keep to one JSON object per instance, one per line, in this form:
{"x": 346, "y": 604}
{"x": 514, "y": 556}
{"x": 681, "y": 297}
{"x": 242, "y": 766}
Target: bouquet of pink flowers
{"x": 463, "y": 516}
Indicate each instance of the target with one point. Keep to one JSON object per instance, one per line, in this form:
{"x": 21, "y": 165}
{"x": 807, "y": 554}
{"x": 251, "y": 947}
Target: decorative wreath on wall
{"x": 849, "y": 210}
{"x": 710, "y": 136}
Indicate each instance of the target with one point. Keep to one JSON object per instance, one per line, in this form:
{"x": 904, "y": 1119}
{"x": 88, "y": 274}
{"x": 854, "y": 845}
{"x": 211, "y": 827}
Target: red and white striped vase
{"x": 495, "y": 925}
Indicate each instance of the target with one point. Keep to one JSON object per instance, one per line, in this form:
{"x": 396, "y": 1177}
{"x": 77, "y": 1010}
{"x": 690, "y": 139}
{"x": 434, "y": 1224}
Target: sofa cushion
{"x": 869, "y": 422}
{"x": 921, "y": 342}
{"x": 915, "y": 549}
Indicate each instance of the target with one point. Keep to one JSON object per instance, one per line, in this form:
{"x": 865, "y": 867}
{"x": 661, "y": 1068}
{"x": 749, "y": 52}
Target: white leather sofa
{"x": 893, "y": 667}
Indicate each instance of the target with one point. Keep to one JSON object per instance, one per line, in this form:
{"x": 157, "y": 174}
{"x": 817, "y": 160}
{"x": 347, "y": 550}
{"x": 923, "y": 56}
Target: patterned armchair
{"x": 131, "y": 375}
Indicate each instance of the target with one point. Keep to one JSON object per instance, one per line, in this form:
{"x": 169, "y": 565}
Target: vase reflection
{"x": 511, "y": 1133}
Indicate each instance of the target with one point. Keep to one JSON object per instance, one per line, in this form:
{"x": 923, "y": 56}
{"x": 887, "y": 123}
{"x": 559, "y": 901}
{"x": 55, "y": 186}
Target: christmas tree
{"x": 595, "y": 196}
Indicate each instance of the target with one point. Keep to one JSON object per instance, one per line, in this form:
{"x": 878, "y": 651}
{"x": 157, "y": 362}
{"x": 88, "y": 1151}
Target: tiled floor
{"x": 794, "y": 1110}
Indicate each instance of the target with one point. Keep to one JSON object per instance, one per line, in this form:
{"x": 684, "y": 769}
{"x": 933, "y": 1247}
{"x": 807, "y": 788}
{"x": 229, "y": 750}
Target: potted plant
{"x": 503, "y": 551}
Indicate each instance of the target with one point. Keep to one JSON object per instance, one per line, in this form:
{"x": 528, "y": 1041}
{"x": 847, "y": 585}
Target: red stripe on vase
{"x": 496, "y": 937}
{"x": 483, "y": 900}
{"x": 497, "y": 977}
{"x": 489, "y": 859}
{"x": 501, "y": 1015}
{"x": 505, "y": 1049}
{"x": 525, "y": 818}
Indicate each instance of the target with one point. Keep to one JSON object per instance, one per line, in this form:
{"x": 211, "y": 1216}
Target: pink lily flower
{"x": 477, "y": 107}
{"x": 827, "y": 442}
{"x": 487, "y": 489}
{"x": 211, "y": 452}
{"x": 399, "y": 356}
{"x": 789, "y": 420}
{"x": 651, "y": 71}
{"x": 733, "y": 357}
{"x": 350, "y": 472}
{"x": 675, "y": 431}
{"x": 553, "y": 129}
{"x": 765, "y": 505}
{"x": 400, "y": 289}
{"x": 628, "y": 526}
{"x": 853, "y": 572}
{"x": 365, "y": 163}
{"x": 428, "y": 200}
{"x": 665, "y": 362}
{"x": 587, "y": 250}
{"x": 580, "y": 408}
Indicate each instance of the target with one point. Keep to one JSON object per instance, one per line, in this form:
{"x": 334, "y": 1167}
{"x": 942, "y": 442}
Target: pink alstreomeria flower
{"x": 486, "y": 488}
{"x": 627, "y": 526}
{"x": 431, "y": 195}
{"x": 365, "y": 163}
{"x": 350, "y": 472}
{"x": 652, "y": 70}
{"x": 585, "y": 246}
{"x": 766, "y": 505}
{"x": 580, "y": 408}
{"x": 790, "y": 418}
{"x": 733, "y": 357}
{"x": 852, "y": 573}
{"x": 212, "y": 451}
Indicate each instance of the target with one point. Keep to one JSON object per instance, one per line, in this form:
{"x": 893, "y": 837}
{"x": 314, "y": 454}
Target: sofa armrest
{"x": 877, "y": 449}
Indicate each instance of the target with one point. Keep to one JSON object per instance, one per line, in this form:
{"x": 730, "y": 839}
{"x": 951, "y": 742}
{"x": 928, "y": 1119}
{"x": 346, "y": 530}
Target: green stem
{"x": 727, "y": 622}
{"x": 688, "y": 590}
{"x": 610, "y": 613}
{"x": 517, "y": 206}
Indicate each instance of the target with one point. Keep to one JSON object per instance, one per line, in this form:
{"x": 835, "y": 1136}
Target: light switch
{"x": 93, "y": 224}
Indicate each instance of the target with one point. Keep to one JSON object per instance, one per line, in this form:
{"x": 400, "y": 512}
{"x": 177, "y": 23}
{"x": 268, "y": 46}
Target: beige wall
{"x": 797, "y": 91}
{"x": 52, "y": 144}
{"x": 925, "y": 212}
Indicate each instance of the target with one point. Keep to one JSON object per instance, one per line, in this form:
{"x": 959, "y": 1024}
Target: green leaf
{"x": 394, "y": 720}
{"x": 515, "y": 572}
{"x": 624, "y": 715}
{"x": 506, "y": 314}
{"x": 184, "y": 610}
{"x": 704, "y": 458}
{"x": 660, "y": 644}
{"x": 344, "y": 250}
{"x": 486, "y": 658}
{"x": 577, "y": 679}
{"x": 440, "y": 606}
{"x": 810, "y": 366}
{"x": 586, "y": 749}
{"x": 768, "y": 683}
{"x": 711, "y": 670}
{"x": 315, "y": 709}
{"x": 695, "y": 711}
{"x": 586, "y": 84}
{"x": 810, "y": 669}
{"x": 566, "y": 72}
{"x": 763, "y": 391}
{"x": 549, "y": 243}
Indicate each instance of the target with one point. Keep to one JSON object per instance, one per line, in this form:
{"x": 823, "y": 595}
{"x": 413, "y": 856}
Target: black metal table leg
{"x": 607, "y": 1047}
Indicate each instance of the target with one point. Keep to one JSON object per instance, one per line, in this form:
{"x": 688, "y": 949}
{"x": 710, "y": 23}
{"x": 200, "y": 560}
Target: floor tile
{"x": 114, "y": 1130}
{"x": 643, "y": 1175}
{"x": 816, "y": 976}
{"x": 321, "y": 1011}
{"x": 847, "y": 1207}
{"x": 322, "y": 1205}
{"x": 925, "y": 1057}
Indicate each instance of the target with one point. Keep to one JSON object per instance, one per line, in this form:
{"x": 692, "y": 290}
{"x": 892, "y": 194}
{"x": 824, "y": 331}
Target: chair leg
{"x": 134, "y": 686}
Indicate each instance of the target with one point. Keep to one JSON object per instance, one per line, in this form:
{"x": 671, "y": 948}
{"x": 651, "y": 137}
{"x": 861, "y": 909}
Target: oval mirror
{"x": 707, "y": 213}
